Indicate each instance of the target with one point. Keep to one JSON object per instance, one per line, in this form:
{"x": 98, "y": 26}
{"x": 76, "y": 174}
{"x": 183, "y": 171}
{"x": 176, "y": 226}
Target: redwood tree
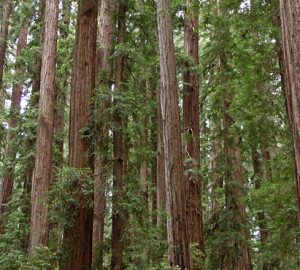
{"x": 118, "y": 215}
{"x": 191, "y": 127}
{"x": 175, "y": 187}
{"x": 104, "y": 72}
{"x": 3, "y": 36}
{"x": 78, "y": 237}
{"x": 290, "y": 24}
{"x": 39, "y": 226}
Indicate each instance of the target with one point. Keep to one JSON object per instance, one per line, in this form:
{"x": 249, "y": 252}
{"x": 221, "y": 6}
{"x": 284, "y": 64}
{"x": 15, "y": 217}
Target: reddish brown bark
{"x": 104, "y": 68}
{"x": 3, "y": 36}
{"x": 191, "y": 129}
{"x": 289, "y": 13}
{"x": 78, "y": 238}
{"x": 161, "y": 181}
{"x": 234, "y": 191}
{"x": 60, "y": 94}
{"x": 10, "y": 151}
{"x": 118, "y": 215}
{"x": 39, "y": 226}
{"x": 175, "y": 187}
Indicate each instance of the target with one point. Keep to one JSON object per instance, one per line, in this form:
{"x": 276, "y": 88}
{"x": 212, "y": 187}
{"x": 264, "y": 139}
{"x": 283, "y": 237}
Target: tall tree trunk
{"x": 3, "y": 37}
{"x": 39, "y": 225}
{"x": 290, "y": 24}
{"x": 78, "y": 238}
{"x": 154, "y": 142}
{"x": 175, "y": 187}
{"x": 161, "y": 179}
{"x": 261, "y": 214}
{"x": 215, "y": 163}
{"x": 104, "y": 68}
{"x": 10, "y": 151}
{"x": 238, "y": 256}
{"x": 191, "y": 129}
{"x": 118, "y": 215}
{"x": 60, "y": 94}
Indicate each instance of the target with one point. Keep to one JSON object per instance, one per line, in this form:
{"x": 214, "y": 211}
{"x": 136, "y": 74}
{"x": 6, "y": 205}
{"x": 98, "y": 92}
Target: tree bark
{"x": 191, "y": 129}
{"x": 104, "y": 68}
{"x": 10, "y": 151}
{"x": 39, "y": 229}
{"x": 175, "y": 187}
{"x": 161, "y": 181}
{"x": 289, "y": 13}
{"x": 78, "y": 238}
{"x": 118, "y": 215}
{"x": 3, "y": 37}
{"x": 238, "y": 255}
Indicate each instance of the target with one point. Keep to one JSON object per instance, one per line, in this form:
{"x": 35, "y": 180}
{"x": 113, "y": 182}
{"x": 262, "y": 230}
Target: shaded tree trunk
{"x": 289, "y": 13}
{"x": 217, "y": 178}
{"x": 78, "y": 238}
{"x": 238, "y": 254}
{"x": 261, "y": 214}
{"x": 154, "y": 144}
{"x": 10, "y": 150}
{"x": 104, "y": 68}
{"x": 118, "y": 215}
{"x": 191, "y": 129}
{"x": 60, "y": 94}
{"x": 39, "y": 225}
{"x": 161, "y": 180}
{"x": 3, "y": 36}
{"x": 175, "y": 187}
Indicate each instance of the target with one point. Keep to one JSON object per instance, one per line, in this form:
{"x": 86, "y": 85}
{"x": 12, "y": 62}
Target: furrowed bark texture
{"x": 118, "y": 215}
{"x": 104, "y": 68}
{"x": 3, "y": 36}
{"x": 191, "y": 129}
{"x": 39, "y": 226}
{"x": 290, "y": 27}
{"x": 161, "y": 182}
{"x": 78, "y": 238}
{"x": 10, "y": 151}
{"x": 175, "y": 187}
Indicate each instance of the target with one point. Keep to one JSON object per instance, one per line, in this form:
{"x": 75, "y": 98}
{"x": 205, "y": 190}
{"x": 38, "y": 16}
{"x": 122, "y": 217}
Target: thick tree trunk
{"x": 78, "y": 238}
{"x": 175, "y": 187}
{"x": 39, "y": 229}
{"x": 118, "y": 215}
{"x": 104, "y": 68}
{"x": 10, "y": 151}
{"x": 191, "y": 130}
{"x": 290, "y": 24}
{"x": 3, "y": 37}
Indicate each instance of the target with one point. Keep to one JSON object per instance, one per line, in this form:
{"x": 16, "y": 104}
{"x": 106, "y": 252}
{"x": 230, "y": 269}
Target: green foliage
{"x": 73, "y": 187}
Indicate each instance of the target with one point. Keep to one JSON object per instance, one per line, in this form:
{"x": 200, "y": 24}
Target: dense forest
{"x": 150, "y": 134}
